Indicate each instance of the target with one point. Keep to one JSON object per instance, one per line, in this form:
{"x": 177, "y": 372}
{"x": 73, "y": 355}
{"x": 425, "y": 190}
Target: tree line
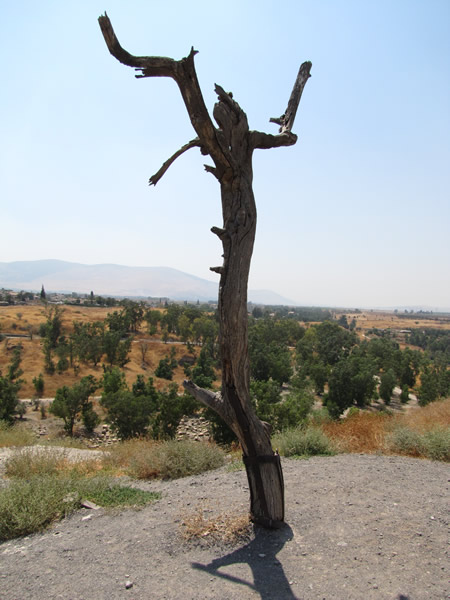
{"x": 292, "y": 366}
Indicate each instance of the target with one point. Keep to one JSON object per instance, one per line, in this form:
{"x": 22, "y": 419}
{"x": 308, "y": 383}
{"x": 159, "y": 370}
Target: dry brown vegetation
{"x": 17, "y": 320}
{"x": 368, "y": 432}
{"x": 203, "y": 524}
{"x": 390, "y": 320}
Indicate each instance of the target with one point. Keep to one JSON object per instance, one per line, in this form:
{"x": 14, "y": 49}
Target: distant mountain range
{"x": 117, "y": 280}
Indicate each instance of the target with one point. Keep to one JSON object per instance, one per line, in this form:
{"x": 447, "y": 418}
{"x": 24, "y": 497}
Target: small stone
{"x": 261, "y": 555}
{"x": 89, "y": 504}
{"x": 128, "y": 584}
{"x": 87, "y": 518}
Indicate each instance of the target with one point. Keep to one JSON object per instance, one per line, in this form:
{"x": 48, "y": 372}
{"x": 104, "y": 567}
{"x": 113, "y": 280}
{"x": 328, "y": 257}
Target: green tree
{"x": 351, "y": 383}
{"x": 153, "y": 317}
{"x": 133, "y": 314}
{"x": 184, "y": 327}
{"x": 52, "y": 328}
{"x": 264, "y": 396}
{"x": 9, "y": 399}
{"x": 14, "y": 370}
{"x": 387, "y": 384}
{"x": 71, "y": 403}
{"x": 129, "y": 412}
{"x": 164, "y": 370}
{"x": 113, "y": 380}
{"x": 171, "y": 409}
{"x": 116, "y": 348}
{"x": 404, "y": 397}
{"x": 294, "y": 410}
{"x": 318, "y": 372}
{"x": 39, "y": 385}
{"x": 203, "y": 373}
{"x": 429, "y": 386}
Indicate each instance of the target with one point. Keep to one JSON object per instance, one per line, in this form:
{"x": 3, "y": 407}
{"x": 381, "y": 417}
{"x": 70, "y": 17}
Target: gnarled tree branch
{"x": 157, "y": 176}
{"x": 159, "y": 66}
{"x": 211, "y": 399}
{"x": 183, "y": 72}
{"x": 287, "y": 120}
{"x": 263, "y": 141}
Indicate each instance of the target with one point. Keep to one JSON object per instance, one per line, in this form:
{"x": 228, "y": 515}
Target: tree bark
{"x": 231, "y": 147}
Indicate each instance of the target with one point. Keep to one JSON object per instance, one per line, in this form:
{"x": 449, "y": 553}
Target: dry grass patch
{"x": 436, "y": 414}
{"x": 43, "y": 461}
{"x": 15, "y": 435}
{"x": 421, "y": 432}
{"x": 201, "y": 525}
{"x": 361, "y": 432}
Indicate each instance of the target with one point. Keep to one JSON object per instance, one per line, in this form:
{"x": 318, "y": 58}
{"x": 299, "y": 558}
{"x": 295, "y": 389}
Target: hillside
{"x": 117, "y": 280}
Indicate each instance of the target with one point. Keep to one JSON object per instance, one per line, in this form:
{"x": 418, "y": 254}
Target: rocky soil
{"x": 357, "y": 527}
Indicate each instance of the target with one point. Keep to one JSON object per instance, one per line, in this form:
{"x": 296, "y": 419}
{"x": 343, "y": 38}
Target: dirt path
{"x": 358, "y": 527}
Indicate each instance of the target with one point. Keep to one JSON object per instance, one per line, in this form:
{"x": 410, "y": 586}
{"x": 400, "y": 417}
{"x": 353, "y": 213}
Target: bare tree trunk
{"x": 231, "y": 148}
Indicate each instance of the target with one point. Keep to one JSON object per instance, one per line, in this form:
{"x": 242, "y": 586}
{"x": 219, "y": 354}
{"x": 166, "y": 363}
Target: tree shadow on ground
{"x": 269, "y": 579}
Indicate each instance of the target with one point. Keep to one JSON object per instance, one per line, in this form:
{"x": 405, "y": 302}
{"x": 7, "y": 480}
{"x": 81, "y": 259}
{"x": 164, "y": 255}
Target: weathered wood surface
{"x": 230, "y": 147}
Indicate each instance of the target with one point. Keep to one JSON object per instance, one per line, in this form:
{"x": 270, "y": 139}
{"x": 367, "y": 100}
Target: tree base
{"x": 266, "y": 483}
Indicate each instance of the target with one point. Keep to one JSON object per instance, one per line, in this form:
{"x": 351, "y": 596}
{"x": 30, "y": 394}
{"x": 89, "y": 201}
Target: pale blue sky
{"x": 356, "y": 214}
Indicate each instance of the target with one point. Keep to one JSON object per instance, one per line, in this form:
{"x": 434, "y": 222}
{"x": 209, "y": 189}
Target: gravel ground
{"x": 357, "y": 527}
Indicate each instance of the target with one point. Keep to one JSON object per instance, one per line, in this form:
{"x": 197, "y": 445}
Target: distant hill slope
{"x": 116, "y": 280}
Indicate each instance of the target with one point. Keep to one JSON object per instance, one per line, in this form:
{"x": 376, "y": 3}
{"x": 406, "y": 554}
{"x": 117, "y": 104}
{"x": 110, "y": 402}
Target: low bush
{"x": 168, "y": 460}
{"x": 15, "y": 435}
{"x": 433, "y": 444}
{"x": 303, "y": 442}
{"x": 29, "y": 505}
{"x": 42, "y": 461}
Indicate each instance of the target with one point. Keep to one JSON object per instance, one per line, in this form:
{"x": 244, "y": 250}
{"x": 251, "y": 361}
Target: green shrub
{"x": 173, "y": 459}
{"x": 302, "y": 442}
{"x": 319, "y": 416}
{"x": 30, "y": 505}
{"x": 104, "y": 492}
{"x": 406, "y": 441}
{"x": 437, "y": 444}
{"x": 27, "y": 506}
{"x": 434, "y": 444}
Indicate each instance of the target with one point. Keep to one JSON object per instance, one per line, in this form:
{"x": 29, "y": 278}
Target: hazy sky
{"x": 357, "y": 213}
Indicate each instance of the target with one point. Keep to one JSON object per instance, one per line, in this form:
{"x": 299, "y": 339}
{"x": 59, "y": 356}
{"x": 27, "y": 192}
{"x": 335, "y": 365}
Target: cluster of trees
{"x": 434, "y": 341}
{"x": 190, "y": 323}
{"x": 330, "y": 356}
{"x": 132, "y": 411}
{"x": 142, "y": 409}
{"x": 89, "y": 342}
{"x": 290, "y": 366}
{"x": 306, "y": 314}
{"x": 6, "y": 296}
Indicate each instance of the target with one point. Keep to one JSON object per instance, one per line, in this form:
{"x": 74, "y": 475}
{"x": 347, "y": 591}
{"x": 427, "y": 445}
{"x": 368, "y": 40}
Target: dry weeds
{"x": 209, "y": 528}
{"x": 368, "y": 432}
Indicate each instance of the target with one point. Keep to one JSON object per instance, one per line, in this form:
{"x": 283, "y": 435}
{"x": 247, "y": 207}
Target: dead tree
{"x": 230, "y": 146}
